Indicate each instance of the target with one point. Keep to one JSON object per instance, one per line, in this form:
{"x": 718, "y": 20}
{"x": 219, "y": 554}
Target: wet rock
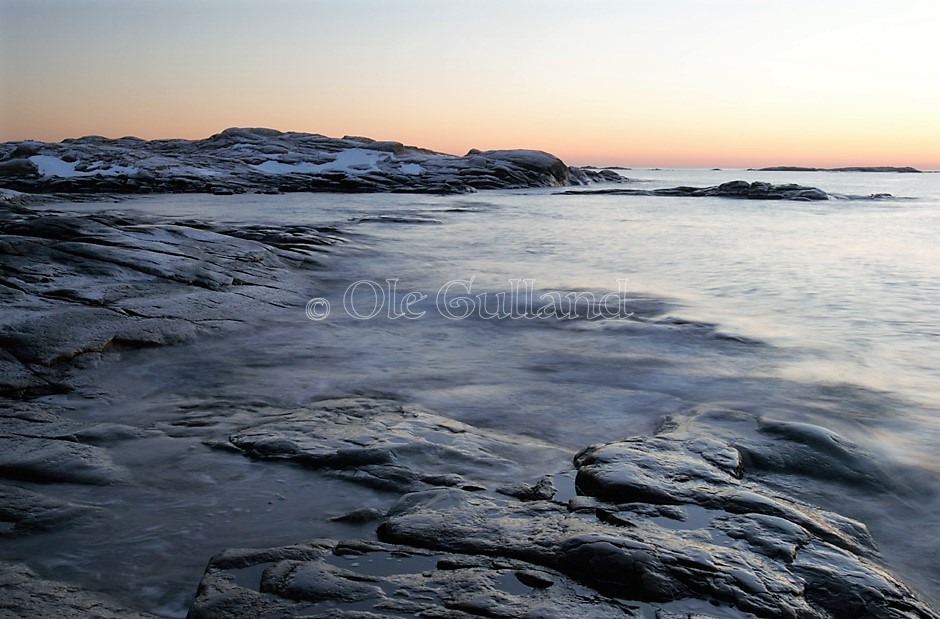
{"x": 43, "y": 450}
{"x": 48, "y": 461}
{"x": 17, "y": 380}
{"x": 52, "y": 337}
{"x": 388, "y": 445}
{"x": 667, "y": 519}
{"x": 39, "y": 444}
{"x": 79, "y": 285}
{"x": 535, "y": 579}
{"x": 25, "y": 511}
{"x": 390, "y": 580}
{"x": 24, "y": 594}
{"x": 543, "y": 490}
{"x": 807, "y": 450}
{"x": 359, "y": 516}
{"x": 633, "y": 470}
{"x": 787, "y": 452}
{"x": 702, "y": 472}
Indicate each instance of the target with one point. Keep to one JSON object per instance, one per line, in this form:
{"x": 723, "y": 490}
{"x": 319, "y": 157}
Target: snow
{"x": 351, "y": 160}
{"x": 412, "y": 168}
{"x": 53, "y": 166}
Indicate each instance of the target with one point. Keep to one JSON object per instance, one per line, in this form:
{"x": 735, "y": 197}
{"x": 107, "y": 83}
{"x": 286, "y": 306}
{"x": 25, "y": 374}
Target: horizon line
{"x": 624, "y": 166}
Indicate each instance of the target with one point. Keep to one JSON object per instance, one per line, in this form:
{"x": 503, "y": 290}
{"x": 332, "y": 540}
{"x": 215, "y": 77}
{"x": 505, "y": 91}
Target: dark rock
{"x": 387, "y": 445}
{"x": 38, "y": 445}
{"x": 46, "y": 460}
{"x": 815, "y": 452}
{"x": 392, "y": 581}
{"x": 730, "y": 539}
{"x": 543, "y": 490}
{"x": 17, "y": 380}
{"x": 317, "y": 582}
{"x": 733, "y": 189}
{"x": 26, "y": 149}
{"x": 359, "y": 516}
{"x": 534, "y": 579}
{"x": 75, "y": 285}
{"x": 24, "y": 594}
{"x": 26, "y": 511}
{"x": 18, "y": 168}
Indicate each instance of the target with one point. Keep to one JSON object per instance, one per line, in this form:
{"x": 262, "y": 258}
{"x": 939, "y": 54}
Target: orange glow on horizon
{"x": 628, "y": 152}
{"x": 672, "y": 84}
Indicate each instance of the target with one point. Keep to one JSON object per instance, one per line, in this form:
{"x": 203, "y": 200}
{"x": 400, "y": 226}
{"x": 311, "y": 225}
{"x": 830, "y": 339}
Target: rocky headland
{"x": 254, "y": 160}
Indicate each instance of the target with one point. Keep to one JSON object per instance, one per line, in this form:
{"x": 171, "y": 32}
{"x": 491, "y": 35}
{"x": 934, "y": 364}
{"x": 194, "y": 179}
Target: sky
{"x": 723, "y": 83}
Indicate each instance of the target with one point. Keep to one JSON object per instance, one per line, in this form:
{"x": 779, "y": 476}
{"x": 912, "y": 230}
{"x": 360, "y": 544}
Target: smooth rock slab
{"x": 38, "y": 445}
{"x": 49, "y": 461}
{"x": 24, "y": 595}
{"x": 78, "y": 285}
{"x": 25, "y": 511}
{"x": 389, "y": 445}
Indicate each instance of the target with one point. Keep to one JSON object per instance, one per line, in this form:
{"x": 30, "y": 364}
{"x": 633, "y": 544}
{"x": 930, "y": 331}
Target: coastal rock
{"x": 757, "y": 190}
{"x": 679, "y": 524}
{"x": 779, "y": 451}
{"x": 47, "y": 461}
{"x": 18, "y": 168}
{"x": 24, "y": 594}
{"x": 16, "y": 379}
{"x": 79, "y": 284}
{"x": 240, "y": 160}
{"x": 326, "y": 578}
{"x": 391, "y": 446}
{"x": 543, "y": 490}
{"x": 36, "y": 445}
{"x": 25, "y": 511}
{"x": 666, "y": 519}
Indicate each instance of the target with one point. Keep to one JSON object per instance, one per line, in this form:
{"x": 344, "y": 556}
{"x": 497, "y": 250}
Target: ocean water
{"x": 823, "y": 313}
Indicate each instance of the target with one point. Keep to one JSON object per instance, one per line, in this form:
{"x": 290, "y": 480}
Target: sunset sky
{"x": 657, "y": 82}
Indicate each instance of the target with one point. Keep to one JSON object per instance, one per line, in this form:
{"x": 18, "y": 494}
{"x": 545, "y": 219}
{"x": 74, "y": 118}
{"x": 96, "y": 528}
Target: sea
{"x": 570, "y": 318}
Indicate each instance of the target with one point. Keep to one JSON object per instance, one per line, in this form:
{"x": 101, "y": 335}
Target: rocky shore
{"x": 241, "y": 160}
{"x": 683, "y": 523}
{"x": 733, "y": 189}
{"x": 657, "y": 523}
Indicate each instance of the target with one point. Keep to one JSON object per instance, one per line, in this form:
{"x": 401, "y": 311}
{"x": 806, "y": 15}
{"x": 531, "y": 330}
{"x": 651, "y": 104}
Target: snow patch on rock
{"x": 54, "y": 166}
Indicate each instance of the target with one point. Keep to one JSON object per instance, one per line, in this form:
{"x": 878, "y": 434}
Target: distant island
{"x": 734, "y": 189}
{"x": 793, "y": 168}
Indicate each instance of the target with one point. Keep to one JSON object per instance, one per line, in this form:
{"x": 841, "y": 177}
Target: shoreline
{"x": 618, "y": 503}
